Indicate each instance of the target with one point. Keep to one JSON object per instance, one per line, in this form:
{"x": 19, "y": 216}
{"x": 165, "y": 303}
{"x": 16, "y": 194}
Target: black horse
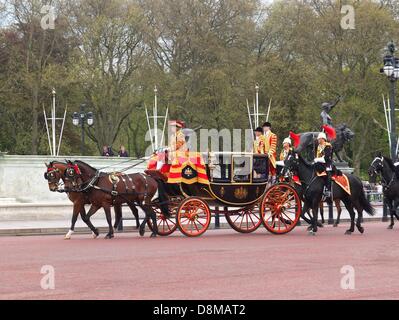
{"x": 285, "y": 175}
{"x": 313, "y": 192}
{"x": 384, "y": 167}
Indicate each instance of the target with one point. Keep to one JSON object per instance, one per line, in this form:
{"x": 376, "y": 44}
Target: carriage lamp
{"x": 81, "y": 119}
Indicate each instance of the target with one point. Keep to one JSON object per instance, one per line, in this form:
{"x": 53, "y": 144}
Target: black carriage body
{"x": 238, "y": 183}
{"x": 236, "y": 179}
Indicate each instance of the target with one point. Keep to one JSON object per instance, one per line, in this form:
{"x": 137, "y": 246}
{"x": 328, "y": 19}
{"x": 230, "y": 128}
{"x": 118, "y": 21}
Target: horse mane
{"x": 79, "y": 162}
{"x": 304, "y": 161}
{"x": 52, "y": 163}
{"x": 390, "y": 163}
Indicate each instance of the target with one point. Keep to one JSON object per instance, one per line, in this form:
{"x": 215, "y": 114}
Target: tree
{"x": 110, "y": 54}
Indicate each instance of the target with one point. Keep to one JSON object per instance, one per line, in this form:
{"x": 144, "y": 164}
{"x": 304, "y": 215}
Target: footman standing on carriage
{"x": 177, "y": 141}
{"x": 259, "y": 148}
{"x": 271, "y": 150}
{"x": 323, "y": 160}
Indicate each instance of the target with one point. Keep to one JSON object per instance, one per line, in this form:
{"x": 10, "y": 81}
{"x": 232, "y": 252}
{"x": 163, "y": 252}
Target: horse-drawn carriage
{"x": 231, "y": 184}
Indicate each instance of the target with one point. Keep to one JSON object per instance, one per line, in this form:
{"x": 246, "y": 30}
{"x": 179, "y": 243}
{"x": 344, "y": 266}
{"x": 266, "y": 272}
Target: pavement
{"x": 221, "y": 264}
{"x": 61, "y": 226}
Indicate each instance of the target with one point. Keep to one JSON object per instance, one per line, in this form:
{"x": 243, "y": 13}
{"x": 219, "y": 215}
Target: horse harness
{"x": 385, "y": 186}
{"x": 115, "y": 179}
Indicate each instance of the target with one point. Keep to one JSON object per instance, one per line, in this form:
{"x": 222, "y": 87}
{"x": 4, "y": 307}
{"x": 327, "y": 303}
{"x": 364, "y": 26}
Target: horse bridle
{"x": 376, "y": 169}
{"x": 71, "y": 172}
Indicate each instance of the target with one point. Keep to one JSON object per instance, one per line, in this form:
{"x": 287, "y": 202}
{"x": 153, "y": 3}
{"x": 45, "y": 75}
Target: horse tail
{"x": 366, "y": 203}
{"x": 163, "y": 198}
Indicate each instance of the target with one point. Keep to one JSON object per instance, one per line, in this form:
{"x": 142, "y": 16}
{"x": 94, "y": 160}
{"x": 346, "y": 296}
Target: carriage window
{"x": 260, "y": 169}
{"x": 241, "y": 169}
{"x": 221, "y": 168}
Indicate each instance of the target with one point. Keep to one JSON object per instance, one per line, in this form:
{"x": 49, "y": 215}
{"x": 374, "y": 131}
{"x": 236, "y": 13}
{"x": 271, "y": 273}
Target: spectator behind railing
{"x": 123, "y": 153}
{"x": 107, "y": 151}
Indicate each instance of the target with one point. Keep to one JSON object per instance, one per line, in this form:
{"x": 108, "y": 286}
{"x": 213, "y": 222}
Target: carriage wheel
{"x": 166, "y": 226}
{"x": 193, "y": 217}
{"x": 246, "y": 220}
{"x": 280, "y": 209}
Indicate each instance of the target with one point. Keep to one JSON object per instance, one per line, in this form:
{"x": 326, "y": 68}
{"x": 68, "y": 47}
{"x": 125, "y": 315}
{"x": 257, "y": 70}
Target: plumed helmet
{"x": 322, "y": 135}
{"x": 325, "y": 105}
{"x": 287, "y": 140}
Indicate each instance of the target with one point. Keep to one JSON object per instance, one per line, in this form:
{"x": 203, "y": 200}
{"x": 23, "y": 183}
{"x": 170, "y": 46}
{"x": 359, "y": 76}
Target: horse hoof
{"x": 69, "y": 235}
{"x": 348, "y": 232}
{"x": 390, "y": 227}
{"x": 153, "y": 235}
{"x": 109, "y": 236}
{"x": 142, "y": 232}
{"x": 311, "y": 233}
{"x": 309, "y": 228}
{"x": 321, "y": 226}
{"x": 361, "y": 229}
{"x": 95, "y": 234}
{"x": 335, "y": 225}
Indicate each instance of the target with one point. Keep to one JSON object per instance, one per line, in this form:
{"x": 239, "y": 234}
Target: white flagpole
{"x": 257, "y": 104}
{"x": 149, "y": 128}
{"x": 389, "y": 113}
{"x": 250, "y": 120}
{"x": 53, "y": 122}
{"x": 268, "y": 111}
{"x": 387, "y": 120}
{"x": 48, "y": 131}
{"x": 156, "y": 118}
{"x": 164, "y": 125}
{"x": 62, "y": 131}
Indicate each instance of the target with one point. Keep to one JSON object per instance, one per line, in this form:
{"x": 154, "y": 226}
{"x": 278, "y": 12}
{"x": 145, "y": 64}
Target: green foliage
{"x": 205, "y": 56}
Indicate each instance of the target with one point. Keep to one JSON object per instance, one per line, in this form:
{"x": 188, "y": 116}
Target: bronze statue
{"x": 326, "y": 109}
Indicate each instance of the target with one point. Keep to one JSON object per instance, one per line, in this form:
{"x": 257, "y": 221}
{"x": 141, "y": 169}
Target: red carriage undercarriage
{"x": 229, "y": 184}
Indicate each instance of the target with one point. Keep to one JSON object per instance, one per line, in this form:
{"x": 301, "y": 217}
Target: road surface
{"x": 219, "y": 265}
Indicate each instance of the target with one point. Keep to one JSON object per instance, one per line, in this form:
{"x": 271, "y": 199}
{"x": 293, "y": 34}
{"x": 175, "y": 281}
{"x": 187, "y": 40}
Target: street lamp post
{"x": 391, "y": 70}
{"x": 81, "y": 119}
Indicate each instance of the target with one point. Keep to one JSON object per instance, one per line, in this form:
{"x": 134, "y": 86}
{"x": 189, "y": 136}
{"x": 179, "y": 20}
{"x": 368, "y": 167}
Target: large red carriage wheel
{"x": 246, "y": 220}
{"x": 166, "y": 226}
{"x": 193, "y": 217}
{"x": 281, "y": 209}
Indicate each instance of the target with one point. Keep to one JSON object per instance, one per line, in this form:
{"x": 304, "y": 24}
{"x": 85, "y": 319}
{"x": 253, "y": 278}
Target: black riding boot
{"x": 327, "y": 189}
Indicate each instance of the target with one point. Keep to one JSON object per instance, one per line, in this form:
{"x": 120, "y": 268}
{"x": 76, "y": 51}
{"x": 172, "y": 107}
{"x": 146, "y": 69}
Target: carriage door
{"x": 242, "y": 169}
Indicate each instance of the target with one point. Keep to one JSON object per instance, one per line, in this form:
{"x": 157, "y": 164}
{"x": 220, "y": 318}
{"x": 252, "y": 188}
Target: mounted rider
{"x": 287, "y": 148}
{"x": 324, "y": 161}
{"x": 270, "y": 149}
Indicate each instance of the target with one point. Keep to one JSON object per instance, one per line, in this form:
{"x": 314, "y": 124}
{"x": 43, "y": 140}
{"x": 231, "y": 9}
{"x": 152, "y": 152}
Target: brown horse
{"x": 105, "y": 190}
{"x": 59, "y": 171}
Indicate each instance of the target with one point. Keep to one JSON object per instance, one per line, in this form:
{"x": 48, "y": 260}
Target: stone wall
{"x": 22, "y": 177}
